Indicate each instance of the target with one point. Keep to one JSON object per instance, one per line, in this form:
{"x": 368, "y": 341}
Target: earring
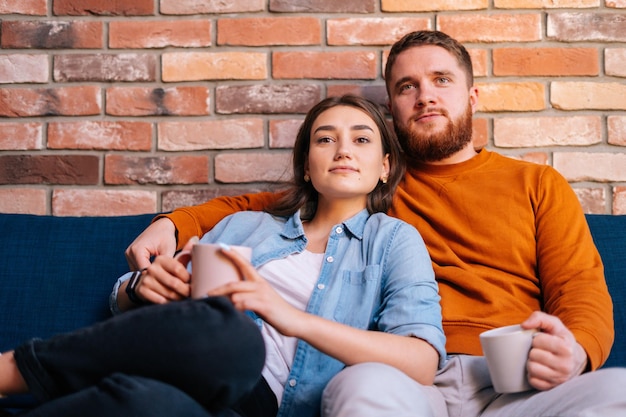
{"x": 384, "y": 180}
{"x": 307, "y": 178}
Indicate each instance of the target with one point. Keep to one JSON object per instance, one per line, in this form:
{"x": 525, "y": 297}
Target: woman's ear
{"x": 384, "y": 175}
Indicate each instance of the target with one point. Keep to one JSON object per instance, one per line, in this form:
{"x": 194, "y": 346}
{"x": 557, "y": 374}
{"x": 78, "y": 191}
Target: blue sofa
{"x": 56, "y": 273}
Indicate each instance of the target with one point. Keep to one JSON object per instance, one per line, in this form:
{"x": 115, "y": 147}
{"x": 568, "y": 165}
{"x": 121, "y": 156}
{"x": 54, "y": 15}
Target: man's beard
{"x": 433, "y": 147}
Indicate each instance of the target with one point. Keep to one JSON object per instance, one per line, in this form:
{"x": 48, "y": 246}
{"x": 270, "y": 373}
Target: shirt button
{"x": 330, "y": 259}
{"x": 338, "y": 230}
{"x": 292, "y": 382}
{"x": 321, "y": 286}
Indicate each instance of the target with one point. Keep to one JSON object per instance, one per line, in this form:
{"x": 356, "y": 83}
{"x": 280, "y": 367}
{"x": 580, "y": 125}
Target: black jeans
{"x": 190, "y": 358}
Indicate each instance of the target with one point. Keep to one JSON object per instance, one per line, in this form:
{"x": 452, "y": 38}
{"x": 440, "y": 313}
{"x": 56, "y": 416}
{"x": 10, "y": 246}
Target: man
{"x": 509, "y": 244}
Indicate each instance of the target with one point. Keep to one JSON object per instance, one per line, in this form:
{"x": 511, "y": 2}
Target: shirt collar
{"x": 355, "y": 225}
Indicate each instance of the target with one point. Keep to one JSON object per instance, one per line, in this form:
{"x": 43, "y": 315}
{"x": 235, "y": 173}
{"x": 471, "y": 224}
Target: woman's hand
{"x": 256, "y": 294}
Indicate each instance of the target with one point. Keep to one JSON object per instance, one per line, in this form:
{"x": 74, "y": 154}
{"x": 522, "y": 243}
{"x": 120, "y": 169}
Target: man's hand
{"x": 158, "y": 239}
{"x": 555, "y": 356}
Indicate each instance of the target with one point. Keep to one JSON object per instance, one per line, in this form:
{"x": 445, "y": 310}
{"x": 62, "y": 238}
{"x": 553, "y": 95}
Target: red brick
{"x": 375, "y": 93}
{"x": 480, "y": 132}
{"x": 188, "y": 7}
{"x": 21, "y": 136}
{"x": 105, "y": 67}
{"x": 211, "y": 134}
{"x": 615, "y": 61}
{"x": 616, "y": 4}
{"x": 23, "y": 201}
{"x": 63, "y": 101}
{"x": 617, "y": 130}
{"x": 372, "y": 30}
{"x": 515, "y": 132}
{"x": 25, "y": 7}
{"x": 492, "y": 27}
{"x": 49, "y": 169}
{"x": 480, "y": 61}
{"x": 151, "y": 101}
{"x": 102, "y": 135}
{"x": 324, "y": 65}
{"x": 51, "y": 34}
{"x": 193, "y": 66}
{"x": 160, "y": 34}
{"x": 269, "y": 31}
{"x": 574, "y": 95}
{"x": 271, "y": 98}
{"x": 120, "y": 169}
{"x": 103, "y": 7}
{"x": 586, "y": 27}
{"x": 246, "y": 167}
{"x": 23, "y": 68}
{"x": 323, "y": 6}
{"x": 431, "y": 5}
{"x": 283, "y": 132}
{"x": 546, "y": 61}
{"x": 511, "y": 96}
{"x": 540, "y": 158}
{"x": 593, "y": 200}
{"x": 619, "y": 200}
{"x": 173, "y": 199}
{"x": 587, "y": 166}
{"x": 74, "y": 202}
{"x": 544, "y": 4}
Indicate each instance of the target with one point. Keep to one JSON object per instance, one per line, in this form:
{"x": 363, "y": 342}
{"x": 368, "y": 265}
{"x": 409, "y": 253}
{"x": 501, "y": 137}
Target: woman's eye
{"x": 362, "y": 139}
{"x": 324, "y": 139}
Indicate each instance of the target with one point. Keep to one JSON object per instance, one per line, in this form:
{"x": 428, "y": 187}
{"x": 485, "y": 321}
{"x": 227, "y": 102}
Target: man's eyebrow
{"x": 332, "y": 127}
{"x": 447, "y": 73}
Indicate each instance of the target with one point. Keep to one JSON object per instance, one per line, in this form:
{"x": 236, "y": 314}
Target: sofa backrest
{"x": 609, "y": 235}
{"x": 56, "y": 272}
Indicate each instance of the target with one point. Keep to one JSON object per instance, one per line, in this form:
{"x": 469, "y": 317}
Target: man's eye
{"x": 443, "y": 80}
{"x": 407, "y": 87}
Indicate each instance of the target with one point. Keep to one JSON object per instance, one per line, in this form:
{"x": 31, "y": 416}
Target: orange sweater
{"x": 506, "y": 238}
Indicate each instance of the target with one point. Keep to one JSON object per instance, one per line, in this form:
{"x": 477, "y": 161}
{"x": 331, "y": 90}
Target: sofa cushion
{"x": 609, "y": 234}
{"x": 47, "y": 286}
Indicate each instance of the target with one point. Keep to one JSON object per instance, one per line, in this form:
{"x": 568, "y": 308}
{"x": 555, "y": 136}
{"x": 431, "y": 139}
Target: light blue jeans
{"x": 463, "y": 389}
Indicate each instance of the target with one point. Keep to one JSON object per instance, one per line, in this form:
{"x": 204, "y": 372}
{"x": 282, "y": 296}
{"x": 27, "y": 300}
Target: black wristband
{"x": 132, "y": 286}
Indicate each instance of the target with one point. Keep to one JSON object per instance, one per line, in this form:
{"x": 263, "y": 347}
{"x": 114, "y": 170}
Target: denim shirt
{"x": 376, "y": 275}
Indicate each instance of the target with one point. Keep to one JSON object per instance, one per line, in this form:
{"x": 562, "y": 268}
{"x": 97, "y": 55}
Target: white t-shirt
{"x": 293, "y": 278}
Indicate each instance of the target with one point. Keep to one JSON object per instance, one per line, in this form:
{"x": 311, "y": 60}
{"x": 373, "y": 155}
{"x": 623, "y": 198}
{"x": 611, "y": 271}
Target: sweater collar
{"x": 479, "y": 159}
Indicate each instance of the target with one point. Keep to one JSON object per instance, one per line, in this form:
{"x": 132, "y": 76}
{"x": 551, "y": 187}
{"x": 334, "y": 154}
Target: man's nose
{"x": 425, "y": 95}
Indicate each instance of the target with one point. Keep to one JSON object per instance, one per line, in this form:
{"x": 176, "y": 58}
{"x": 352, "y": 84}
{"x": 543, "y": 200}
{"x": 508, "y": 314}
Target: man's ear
{"x": 473, "y": 98}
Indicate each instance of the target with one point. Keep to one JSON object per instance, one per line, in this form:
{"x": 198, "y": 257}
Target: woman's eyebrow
{"x": 332, "y": 127}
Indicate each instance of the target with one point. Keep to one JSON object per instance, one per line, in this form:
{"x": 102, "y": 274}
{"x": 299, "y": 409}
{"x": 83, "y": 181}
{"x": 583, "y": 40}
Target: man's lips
{"x": 427, "y": 117}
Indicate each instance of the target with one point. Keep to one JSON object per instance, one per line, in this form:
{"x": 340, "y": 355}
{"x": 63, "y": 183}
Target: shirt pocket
{"x": 359, "y": 290}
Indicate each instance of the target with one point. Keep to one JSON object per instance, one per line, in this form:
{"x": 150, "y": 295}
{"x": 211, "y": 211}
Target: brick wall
{"x": 111, "y": 107}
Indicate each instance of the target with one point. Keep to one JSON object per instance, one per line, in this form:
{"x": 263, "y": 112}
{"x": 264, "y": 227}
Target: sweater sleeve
{"x": 570, "y": 269}
{"x": 197, "y": 220}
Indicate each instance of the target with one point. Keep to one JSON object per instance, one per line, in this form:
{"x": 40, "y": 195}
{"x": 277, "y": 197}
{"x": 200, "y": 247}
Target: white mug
{"x": 211, "y": 269}
{"x": 506, "y": 351}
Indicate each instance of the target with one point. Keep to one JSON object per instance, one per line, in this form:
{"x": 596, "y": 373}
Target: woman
{"x": 332, "y": 282}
